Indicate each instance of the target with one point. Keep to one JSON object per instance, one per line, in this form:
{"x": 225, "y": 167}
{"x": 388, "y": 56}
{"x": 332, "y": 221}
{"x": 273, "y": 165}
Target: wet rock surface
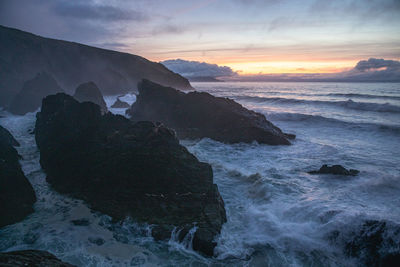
{"x": 199, "y": 114}
{"x": 124, "y": 169}
{"x": 16, "y": 193}
{"x": 34, "y": 258}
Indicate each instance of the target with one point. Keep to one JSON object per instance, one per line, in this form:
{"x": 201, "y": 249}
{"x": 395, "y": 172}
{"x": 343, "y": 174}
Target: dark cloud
{"x": 191, "y": 69}
{"x": 374, "y": 64}
{"x": 373, "y": 69}
{"x": 366, "y": 11}
{"x": 93, "y": 22}
{"x": 90, "y": 11}
{"x": 167, "y": 29}
{"x": 84, "y": 21}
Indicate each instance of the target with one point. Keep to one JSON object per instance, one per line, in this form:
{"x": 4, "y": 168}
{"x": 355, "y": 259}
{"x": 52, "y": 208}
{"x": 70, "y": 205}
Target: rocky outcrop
{"x": 120, "y": 104}
{"x": 6, "y": 138}
{"x": 31, "y": 258}
{"x": 33, "y": 91}
{"x": 335, "y": 169}
{"x": 23, "y": 54}
{"x": 124, "y": 169}
{"x": 198, "y": 115}
{"x": 89, "y": 92}
{"x": 16, "y": 193}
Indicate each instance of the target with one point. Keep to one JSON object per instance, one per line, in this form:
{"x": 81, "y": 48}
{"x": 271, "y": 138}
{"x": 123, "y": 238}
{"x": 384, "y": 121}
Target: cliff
{"x": 23, "y": 55}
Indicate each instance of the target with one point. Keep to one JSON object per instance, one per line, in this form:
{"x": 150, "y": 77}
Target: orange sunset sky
{"x": 250, "y": 36}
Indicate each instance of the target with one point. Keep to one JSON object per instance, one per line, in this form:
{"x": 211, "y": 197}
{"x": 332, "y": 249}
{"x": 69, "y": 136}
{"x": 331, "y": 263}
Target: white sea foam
{"x": 278, "y": 215}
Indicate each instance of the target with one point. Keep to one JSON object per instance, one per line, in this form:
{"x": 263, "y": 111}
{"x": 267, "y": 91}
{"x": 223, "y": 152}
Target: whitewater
{"x": 278, "y": 214}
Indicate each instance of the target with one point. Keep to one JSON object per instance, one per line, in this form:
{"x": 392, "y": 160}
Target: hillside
{"x": 23, "y": 55}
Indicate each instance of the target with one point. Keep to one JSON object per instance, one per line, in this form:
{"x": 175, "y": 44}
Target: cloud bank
{"x": 100, "y": 12}
{"x": 371, "y": 70}
{"x": 196, "y": 69}
{"x": 374, "y": 64}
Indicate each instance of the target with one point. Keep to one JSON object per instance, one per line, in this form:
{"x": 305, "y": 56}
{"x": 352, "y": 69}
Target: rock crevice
{"x": 124, "y": 169}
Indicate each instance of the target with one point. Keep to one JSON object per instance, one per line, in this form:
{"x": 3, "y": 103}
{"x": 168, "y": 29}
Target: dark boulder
{"x": 16, "y": 193}
{"x": 120, "y": 104}
{"x": 32, "y": 92}
{"x": 335, "y": 169}
{"x": 89, "y": 92}
{"x": 198, "y": 115}
{"x": 31, "y": 258}
{"x": 124, "y": 169}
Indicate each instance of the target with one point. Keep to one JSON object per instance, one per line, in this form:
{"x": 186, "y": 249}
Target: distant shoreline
{"x": 291, "y": 81}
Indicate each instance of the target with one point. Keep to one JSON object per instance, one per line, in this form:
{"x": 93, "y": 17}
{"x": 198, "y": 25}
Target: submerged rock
{"x": 335, "y": 169}
{"x": 89, "y": 92}
{"x": 124, "y": 169}
{"x": 96, "y": 240}
{"x": 120, "y": 104}
{"x": 198, "y": 115}
{"x": 16, "y": 193}
{"x": 374, "y": 243}
{"x": 33, "y": 91}
{"x": 31, "y": 258}
{"x": 81, "y": 222}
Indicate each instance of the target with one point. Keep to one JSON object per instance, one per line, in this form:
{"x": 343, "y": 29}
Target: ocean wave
{"x": 365, "y": 96}
{"x": 299, "y": 117}
{"x": 349, "y": 104}
{"x": 341, "y": 95}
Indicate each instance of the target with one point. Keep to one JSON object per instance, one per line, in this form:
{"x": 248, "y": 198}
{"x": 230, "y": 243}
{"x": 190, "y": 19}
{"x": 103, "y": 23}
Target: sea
{"x": 278, "y": 214}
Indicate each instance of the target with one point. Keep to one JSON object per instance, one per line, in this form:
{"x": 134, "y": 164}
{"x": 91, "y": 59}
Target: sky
{"x": 249, "y": 36}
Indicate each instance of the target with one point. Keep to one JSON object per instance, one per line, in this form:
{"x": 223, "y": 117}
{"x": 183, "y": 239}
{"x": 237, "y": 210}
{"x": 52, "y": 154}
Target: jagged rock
{"x": 16, "y": 193}
{"x": 124, "y": 169}
{"x": 32, "y": 92}
{"x": 23, "y": 54}
{"x": 89, "y": 92}
{"x": 198, "y": 115}
{"x": 120, "y": 104}
{"x": 7, "y": 138}
{"x": 335, "y": 169}
{"x": 32, "y": 258}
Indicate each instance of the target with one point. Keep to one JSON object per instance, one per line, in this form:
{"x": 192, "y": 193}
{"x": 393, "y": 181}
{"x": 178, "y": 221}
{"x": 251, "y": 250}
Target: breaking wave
{"x": 349, "y": 104}
{"x": 317, "y": 119}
